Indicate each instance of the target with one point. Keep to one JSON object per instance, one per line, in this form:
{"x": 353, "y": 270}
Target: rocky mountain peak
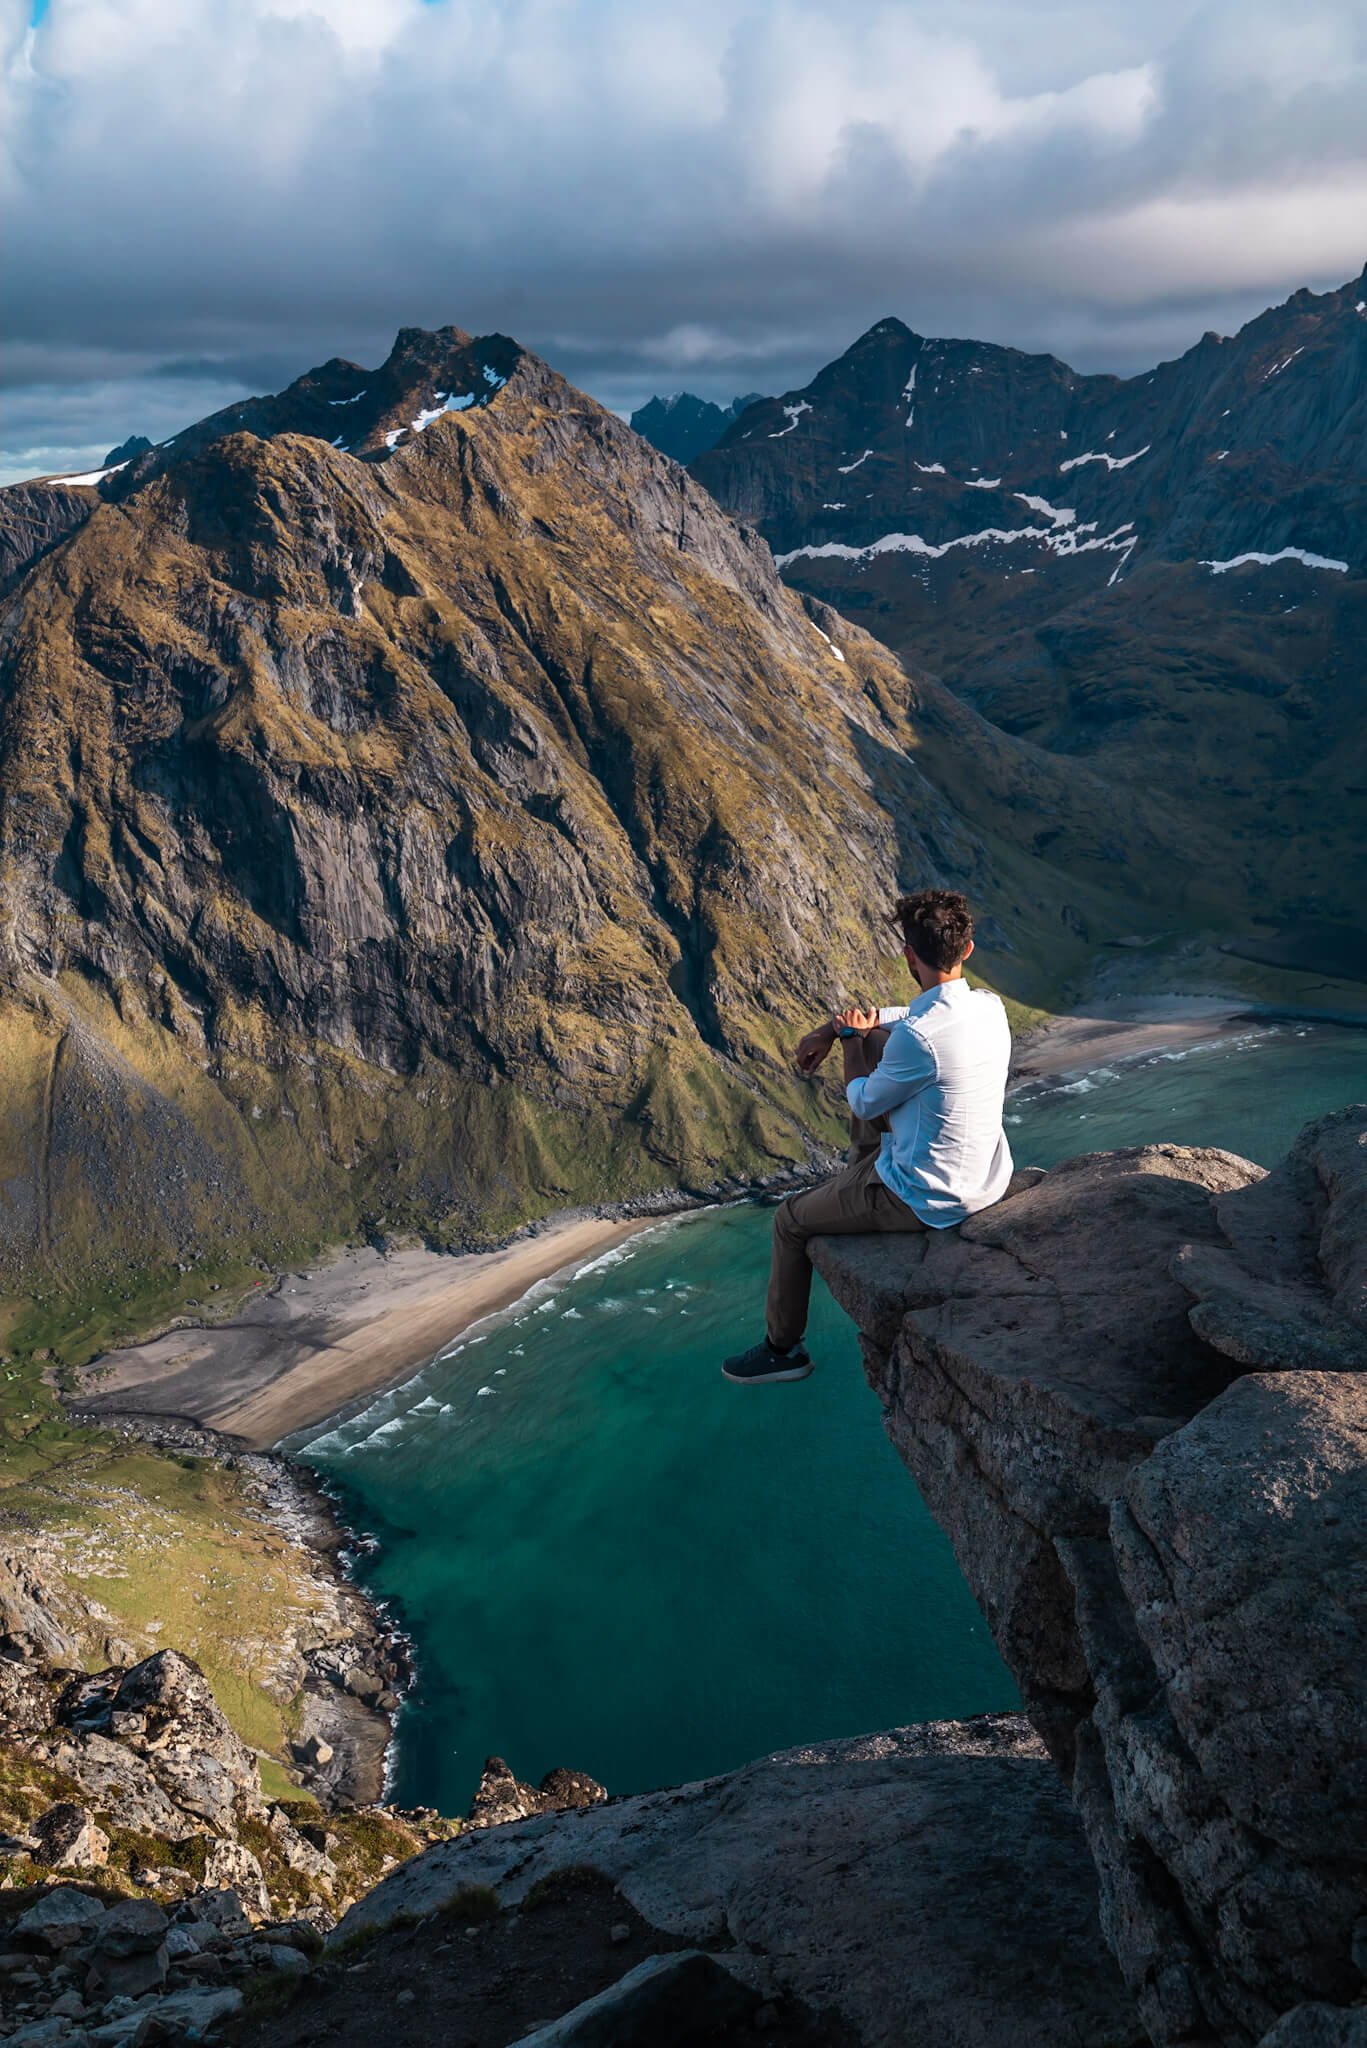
{"x": 683, "y": 425}
{"x": 425, "y": 751}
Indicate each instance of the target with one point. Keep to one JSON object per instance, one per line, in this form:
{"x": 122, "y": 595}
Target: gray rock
{"x": 68, "y": 1836}
{"x": 45, "y": 2033}
{"x": 117, "y": 1782}
{"x": 61, "y": 1919}
{"x": 665, "y": 2001}
{"x": 502, "y": 1797}
{"x": 133, "y": 1927}
{"x": 218, "y": 1908}
{"x": 180, "y": 2016}
{"x": 287, "y": 1962}
{"x": 130, "y": 1976}
{"x": 230, "y": 1866}
{"x": 884, "y": 1877}
{"x": 1171, "y": 1552}
{"x": 1319, "y": 2026}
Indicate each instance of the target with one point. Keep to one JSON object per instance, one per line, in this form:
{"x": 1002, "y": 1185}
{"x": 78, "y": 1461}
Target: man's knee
{"x": 788, "y": 1221}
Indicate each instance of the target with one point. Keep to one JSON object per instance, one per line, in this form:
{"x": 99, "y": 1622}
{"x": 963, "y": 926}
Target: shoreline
{"x": 306, "y": 1348}
{"x": 311, "y": 1347}
{"x": 1126, "y": 1031}
{"x": 354, "y": 1677}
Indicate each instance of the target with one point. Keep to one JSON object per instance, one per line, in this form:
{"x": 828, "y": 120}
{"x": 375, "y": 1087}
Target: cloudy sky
{"x": 202, "y": 197}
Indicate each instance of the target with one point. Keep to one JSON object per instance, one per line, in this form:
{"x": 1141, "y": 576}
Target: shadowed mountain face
{"x": 1164, "y": 576}
{"x": 683, "y": 426}
{"x": 442, "y": 829}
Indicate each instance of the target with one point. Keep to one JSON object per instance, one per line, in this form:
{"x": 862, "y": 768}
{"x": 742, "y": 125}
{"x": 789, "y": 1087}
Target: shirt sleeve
{"x": 893, "y": 1013}
{"x": 906, "y": 1066}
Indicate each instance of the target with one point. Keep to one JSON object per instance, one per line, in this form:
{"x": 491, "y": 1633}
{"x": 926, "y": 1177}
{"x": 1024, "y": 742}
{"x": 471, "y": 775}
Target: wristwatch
{"x": 848, "y": 1031}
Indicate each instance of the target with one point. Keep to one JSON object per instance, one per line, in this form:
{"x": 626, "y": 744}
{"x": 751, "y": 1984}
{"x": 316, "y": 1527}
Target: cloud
{"x": 726, "y": 191}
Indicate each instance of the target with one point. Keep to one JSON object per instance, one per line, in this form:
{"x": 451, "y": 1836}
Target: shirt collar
{"x": 938, "y": 992}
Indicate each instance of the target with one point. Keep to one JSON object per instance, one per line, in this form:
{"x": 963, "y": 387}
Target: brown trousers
{"x": 851, "y": 1203}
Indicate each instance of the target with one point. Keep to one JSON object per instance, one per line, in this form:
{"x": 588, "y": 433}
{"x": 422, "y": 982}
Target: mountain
{"x": 1164, "y": 577}
{"x": 420, "y": 832}
{"x": 136, "y": 444}
{"x": 684, "y": 426}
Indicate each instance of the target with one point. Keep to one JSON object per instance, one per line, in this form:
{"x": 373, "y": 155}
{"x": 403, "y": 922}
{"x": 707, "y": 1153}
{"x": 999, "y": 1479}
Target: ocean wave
{"x": 616, "y": 1256}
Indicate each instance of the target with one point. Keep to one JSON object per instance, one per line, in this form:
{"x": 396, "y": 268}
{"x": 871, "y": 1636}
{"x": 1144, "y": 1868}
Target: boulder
{"x": 117, "y": 1781}
{"x": 128, "y": 1956}
{"x": 297, "y": 1851}
{"x": 667, "y": 2001}
{"x": 1319, "y": 2026}
{"x": 229, "y": 1866}
{"x": 60, "y": 1919}
{"x": 164, "y": 1710}
{"x": 219, "y": 1908}
{"x": 68, "y": 1836}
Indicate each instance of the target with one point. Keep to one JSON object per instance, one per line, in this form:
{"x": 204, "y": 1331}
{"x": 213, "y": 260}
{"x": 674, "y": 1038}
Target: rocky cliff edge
{"x": 1133, "y": 1394}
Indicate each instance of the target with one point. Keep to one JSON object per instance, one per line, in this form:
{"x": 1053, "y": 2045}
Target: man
{"x": 926, "y": 1122}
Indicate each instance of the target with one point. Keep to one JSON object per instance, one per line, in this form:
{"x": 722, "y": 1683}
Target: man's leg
{"x": 866, "y": 1134}
{"x": 850, "y": 1203}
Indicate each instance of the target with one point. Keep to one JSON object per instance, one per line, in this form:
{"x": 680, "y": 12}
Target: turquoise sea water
{"x": 609, "y": 1557}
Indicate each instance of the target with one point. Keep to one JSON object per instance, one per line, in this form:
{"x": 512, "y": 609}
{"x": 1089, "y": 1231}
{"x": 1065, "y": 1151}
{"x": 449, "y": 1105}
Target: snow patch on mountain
{"x": 792, "y": 413}
{"x": 90, "y": 476}
{"x": 1111, "y": 461}
{"x": 846, "y": 467}
{"x": 1060, "y": 515}
{"x": 1065, "y": 541}
{"x": 1282, "y": 555}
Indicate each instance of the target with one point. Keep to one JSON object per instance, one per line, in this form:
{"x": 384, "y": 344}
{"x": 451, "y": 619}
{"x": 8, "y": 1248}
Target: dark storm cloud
{"x": 203, "y": 198}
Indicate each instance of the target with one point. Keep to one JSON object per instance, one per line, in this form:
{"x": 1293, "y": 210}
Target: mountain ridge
{"x": 683, "y": 425}
{"x": 419, "y": 836}
{"x": 1160, "y": 576}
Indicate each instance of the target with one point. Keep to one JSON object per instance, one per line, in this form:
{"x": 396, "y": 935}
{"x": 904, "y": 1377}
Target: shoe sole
{"x": 764, "y": 1379}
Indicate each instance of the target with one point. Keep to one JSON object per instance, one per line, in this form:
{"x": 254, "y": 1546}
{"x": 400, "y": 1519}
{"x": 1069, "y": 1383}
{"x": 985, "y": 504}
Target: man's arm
{"x": 813, "y": 1049}
{"x": 906, "y": 1066}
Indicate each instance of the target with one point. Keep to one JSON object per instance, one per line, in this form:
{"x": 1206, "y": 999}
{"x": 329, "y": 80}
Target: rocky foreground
{"x": 1133, "y": 1394}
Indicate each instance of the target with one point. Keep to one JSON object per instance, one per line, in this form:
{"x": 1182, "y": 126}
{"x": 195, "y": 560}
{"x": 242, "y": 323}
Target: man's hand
{"x": 813, "y": 1049}
{"x": 857, "y": 1020}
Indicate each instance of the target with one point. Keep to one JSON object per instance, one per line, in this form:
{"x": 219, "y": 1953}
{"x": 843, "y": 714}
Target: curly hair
{"x": 937, "y": 924}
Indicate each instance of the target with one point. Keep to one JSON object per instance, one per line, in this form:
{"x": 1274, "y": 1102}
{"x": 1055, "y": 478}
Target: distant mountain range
{"x": 406, "y": 821}
{"x": 1161, "y": 577}
{"x": 421, "y": 806}
{"x": 684, "y": 426}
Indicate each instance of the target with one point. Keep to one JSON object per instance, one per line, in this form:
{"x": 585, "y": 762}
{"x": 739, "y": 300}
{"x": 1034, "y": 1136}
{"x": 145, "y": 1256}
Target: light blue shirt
{"x": 941, "y": 1083}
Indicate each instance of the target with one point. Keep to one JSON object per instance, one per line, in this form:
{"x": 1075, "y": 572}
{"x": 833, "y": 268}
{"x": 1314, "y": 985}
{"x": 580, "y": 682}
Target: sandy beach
{"x": 1126, "y": 1031}
{"x": 315, "y": 1341}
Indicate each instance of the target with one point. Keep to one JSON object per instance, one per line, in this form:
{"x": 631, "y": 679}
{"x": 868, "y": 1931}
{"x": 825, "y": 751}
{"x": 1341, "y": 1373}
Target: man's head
{"x": 937, "y": 933}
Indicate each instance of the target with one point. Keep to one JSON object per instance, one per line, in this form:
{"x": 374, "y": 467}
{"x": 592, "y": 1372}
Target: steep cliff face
{"x": 438, "y": 830}
{"x": 1133, "y": 1394}
{"x": 1163, "y": 576}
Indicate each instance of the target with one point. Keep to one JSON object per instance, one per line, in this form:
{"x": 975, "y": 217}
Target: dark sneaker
{"x": 761, "y": 1363}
